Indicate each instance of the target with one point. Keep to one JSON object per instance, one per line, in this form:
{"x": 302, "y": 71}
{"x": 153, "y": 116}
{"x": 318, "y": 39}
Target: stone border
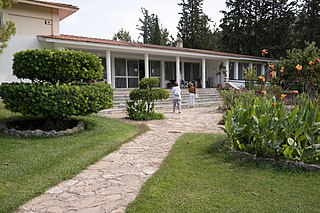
{"x": 40, "y": 133}
{"x": 280, "y": 162}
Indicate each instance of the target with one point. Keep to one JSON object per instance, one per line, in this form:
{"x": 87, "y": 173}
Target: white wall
{"x": 212, "y": 70}
{"x": 16, "y": 43}
{"x": 30, "y": 21}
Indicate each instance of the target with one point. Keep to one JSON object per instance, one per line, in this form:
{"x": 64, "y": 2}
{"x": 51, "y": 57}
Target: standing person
{"x": 192, "y": 95}
{"x": 176, "y": 97}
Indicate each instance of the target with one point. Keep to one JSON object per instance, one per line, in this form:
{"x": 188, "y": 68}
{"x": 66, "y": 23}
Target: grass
{"x": 29, "y": 166}
{"x": 198, "y": 177}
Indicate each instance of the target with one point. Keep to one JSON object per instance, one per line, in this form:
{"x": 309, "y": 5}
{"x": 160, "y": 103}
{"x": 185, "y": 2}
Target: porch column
{"x": 263, "y": 69}
{"x": 236, "y": 70}
{"x": 146, "y": 65}
{"x": 183, "y": 77}
{"x": 226, "y": 77}
{"x": 178, "y": 70}
{"x": 203, "y": 80}
{"x": 251, "y": 65}
{"x": 108, "y": 66}
{"x": 163, "y": 73}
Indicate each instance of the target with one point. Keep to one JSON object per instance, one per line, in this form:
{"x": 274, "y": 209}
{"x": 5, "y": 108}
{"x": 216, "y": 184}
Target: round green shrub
{"x": 56, "y": 100}
{"x": 56, "y": 65}
{"x": 154, "y": 94}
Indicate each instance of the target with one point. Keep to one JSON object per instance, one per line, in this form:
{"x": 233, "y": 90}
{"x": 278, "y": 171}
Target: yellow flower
{"x": 299, "y": 67}
{"x": 282, "y": 69}
{"x": 282, "y": 96}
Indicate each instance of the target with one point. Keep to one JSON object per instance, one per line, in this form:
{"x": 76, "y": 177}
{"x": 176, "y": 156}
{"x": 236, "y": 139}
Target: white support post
{"x": 146, "y": 65}
{"x": 236, "y": 70}
{"x": 263, "y": 69}
{"x": 163, "y": 73}
{"x": 226, "y": 78}
{"x": 203, "y": 80}
{"x": 113, "y": 81}
{"x": 182, "y": 71}
{"x": 108, "y": 66}
{"x": 178, "y": 70}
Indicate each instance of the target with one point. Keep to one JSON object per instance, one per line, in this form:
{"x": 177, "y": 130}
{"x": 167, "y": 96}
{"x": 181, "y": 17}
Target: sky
{"x": 103, "y": 18}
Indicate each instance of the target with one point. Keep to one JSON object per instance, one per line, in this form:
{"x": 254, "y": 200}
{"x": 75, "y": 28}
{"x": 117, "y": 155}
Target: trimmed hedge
{"x": 56, "y": 65}
{"x": 56, "y": 100}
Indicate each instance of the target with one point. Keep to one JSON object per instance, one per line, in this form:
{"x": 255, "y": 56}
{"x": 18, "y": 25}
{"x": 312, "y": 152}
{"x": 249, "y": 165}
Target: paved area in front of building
{"x": 112, "y": 183}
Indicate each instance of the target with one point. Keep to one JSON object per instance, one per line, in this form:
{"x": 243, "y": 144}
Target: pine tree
{"x": 151, "y": 31}
{"x": 252, "y": 25}
{"x": 122, "y": 35}
{"x": 194, "y": 26}
{"x": 7, "y": 29}
{"x": 307, "y": 27}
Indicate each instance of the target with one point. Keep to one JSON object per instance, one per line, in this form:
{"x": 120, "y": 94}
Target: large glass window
{"x": 241, "y": 67}
{"x": 133, "y": 82}
{"x": 231, "y": 70}
{"x": 155, "y": 68}
{"x": 132, "y": 68}
{"x": 121, "y": 83}
{"x": 120, "y": 66}
{"x": 170, "y": 68}
{"x": 258, "y": 68}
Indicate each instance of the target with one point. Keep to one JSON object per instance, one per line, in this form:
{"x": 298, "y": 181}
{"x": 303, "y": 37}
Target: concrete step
{"x": 207, "y": 97}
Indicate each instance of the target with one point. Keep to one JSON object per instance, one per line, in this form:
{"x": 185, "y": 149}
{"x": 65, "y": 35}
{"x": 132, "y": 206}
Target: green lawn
{"x": 197, "y": 177}
{"x": 29, "y": 166}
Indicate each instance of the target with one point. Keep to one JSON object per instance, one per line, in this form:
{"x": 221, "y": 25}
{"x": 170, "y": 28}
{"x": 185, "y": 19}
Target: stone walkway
{"x": 112, "y": 183}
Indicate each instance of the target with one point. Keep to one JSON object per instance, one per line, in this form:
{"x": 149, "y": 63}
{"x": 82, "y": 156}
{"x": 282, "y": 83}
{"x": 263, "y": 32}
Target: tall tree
{"x": 122, "y": 35}
{"x": 194, "y": 26}
{"x": 151, "y": 31}
{"x": 307, "y": 27}
{"x": 252, "y": 25}
{"x": 7, "y": 29}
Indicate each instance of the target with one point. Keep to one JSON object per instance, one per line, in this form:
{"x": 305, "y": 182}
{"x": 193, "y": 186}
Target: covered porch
{"x": 125, "y": 64}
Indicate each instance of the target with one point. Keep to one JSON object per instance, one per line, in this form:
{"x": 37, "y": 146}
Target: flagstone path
{"x": 112, "y": 183}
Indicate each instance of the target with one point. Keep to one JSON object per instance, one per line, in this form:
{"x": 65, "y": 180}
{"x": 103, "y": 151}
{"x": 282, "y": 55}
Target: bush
{"x": 56, "y": 92}
{"x": 137, "y": 111}
{"x": 56, "y": 65}
{"x": 141, "y": 106}
{"x": 263, "y": 127}
{"x": 56, "y": 101}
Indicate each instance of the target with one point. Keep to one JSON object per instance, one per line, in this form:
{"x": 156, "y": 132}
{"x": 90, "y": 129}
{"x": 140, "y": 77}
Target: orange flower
{"x": 317, "y": 61}
{"x": 310, "y": 63}
{"x": 294, "y": 92}
{"x": 282, "y": 96}
{"x": 264, "y": 52}
{"x": 299, "y": 67}
{"x": 272, "y": 74}
{"x": 263, "y": 92}
{"x": 271, "y": 66}
{"x": 261, "y": 78}
{"x": 273, "y": 104}
{"x": 282, "y": 69}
